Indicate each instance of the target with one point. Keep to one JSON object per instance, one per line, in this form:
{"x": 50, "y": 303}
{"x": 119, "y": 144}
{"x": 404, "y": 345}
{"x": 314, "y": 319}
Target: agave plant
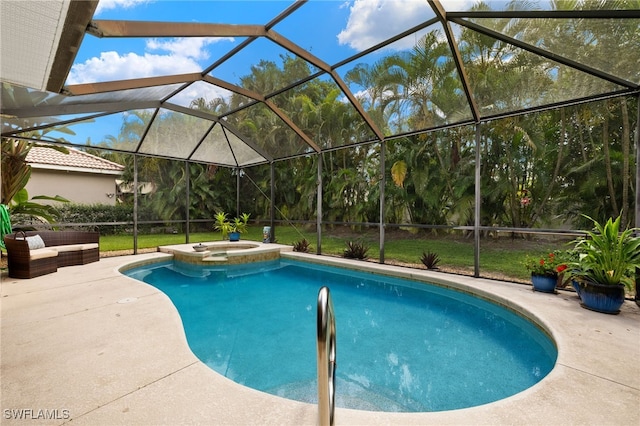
{"x": 430, "y": 259}
{"x": 608, "y": 255}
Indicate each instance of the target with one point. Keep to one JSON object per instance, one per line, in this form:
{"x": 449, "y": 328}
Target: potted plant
{"x": 607, "y": 260}
{"x": 238, "y": 226}
{"x": 222, "y": 224}
{"x": 544, "y": 271}
{"x": 232, "y": 228}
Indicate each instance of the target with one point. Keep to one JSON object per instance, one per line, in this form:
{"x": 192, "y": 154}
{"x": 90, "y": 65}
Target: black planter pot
{"x": 601, "y": 297}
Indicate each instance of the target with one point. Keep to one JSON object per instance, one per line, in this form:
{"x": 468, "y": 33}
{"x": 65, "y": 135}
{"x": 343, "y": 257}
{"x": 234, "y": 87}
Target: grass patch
{"x": 125, "y": 242}
{"x": 501, "y": 258}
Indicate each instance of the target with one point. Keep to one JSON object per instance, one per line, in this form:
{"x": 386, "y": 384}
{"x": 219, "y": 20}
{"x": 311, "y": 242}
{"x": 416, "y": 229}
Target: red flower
{"x": 541, "y": 262}
{"x": 561, "y": 268}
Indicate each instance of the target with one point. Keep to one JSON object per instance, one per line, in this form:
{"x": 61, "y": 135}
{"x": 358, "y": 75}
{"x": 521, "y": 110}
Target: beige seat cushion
{"x": 74, "y": 247}
{"x": 42, "y": 253}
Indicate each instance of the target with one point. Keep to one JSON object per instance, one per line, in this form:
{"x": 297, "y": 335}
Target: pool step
{"x": 216, "y": 256}
{"x": 215, "y": 259}
{"x": 353, "y": 396}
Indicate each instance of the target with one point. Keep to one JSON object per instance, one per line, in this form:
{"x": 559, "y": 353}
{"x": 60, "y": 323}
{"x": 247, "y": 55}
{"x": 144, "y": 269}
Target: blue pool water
{"x": 401, "y": 345}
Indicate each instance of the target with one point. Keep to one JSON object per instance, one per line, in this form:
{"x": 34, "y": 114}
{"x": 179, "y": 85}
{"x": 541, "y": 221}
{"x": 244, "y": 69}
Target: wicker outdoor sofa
{"x": 34, "y": 253}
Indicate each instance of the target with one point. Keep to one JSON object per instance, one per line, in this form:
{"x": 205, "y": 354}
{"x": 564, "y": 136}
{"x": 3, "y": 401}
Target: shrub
{"x": 301, "y": 246}
{"x": 356, "y": 250}
{"x": 98, "y": 213}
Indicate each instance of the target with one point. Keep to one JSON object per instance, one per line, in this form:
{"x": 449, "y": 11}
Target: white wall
{"x": 79, "y": 188}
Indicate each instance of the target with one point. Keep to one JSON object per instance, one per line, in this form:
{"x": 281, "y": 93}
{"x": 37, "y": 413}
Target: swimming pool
{"x": 402, "y": 345}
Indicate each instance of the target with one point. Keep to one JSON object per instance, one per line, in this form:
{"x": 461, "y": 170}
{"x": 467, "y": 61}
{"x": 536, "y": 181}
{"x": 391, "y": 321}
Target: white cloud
{"x": 187, "y": 47}
{"x": 113, "y": 66}
{"x": 373, "y": 21}
{"x": 117, "y": 4}
{"x": 182, "y": 56}
{"x": 161, "y": 56}
{"x": 206, "y": 91}
{"x": 458, "y": 5}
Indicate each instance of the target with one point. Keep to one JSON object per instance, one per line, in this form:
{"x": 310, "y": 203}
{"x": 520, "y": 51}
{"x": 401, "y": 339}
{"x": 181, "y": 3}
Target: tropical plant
{"x": 537, "y": 170}
{"x": 222, "y": 224}
{"x": 239, "y": 224}
{"x": 607, "y": 255}
{"x": 356, "y": 250}
{"x": 5, "y": 224}
{"x": 22, "y": 205}
{"x": 16, "y": 172}
{"x": 430, "y": 259}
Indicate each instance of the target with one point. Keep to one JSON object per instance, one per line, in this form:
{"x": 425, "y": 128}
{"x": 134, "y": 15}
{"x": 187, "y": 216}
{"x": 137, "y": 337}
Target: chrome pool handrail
{"x": 326, "y": 343}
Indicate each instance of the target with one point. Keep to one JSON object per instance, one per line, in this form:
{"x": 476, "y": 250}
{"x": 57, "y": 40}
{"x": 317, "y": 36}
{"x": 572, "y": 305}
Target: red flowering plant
{"x": 551, "y": 264}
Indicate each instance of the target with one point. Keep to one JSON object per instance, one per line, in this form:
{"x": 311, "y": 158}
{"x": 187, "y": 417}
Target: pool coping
{"x": 225, "y": 252}
{"x": 111, "y": 350}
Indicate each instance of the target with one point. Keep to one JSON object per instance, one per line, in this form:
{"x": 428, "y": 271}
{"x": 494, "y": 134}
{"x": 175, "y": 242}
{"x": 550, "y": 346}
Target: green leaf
{"x": 399, "y": 173}
{"x": 54, "y": 198}
{"x": 21, "y": 196}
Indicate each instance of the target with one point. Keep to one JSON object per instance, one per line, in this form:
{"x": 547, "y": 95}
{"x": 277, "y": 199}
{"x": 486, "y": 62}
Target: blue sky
{"x": 331, "y": 30}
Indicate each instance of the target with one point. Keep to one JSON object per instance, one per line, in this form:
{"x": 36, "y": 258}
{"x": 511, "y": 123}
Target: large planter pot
{"x": 637, "y": 297}
{"x": 576, "y": 287}
{"x": 601, "y": 297}
{"x": 234, "y": 236}
{"x": 544, "y": 283}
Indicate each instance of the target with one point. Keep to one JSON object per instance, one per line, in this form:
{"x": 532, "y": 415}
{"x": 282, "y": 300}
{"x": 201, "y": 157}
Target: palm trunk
{"x": 583, "y": 148}
{"x": 556, "y": 171}
{"x": 607, "y": 163}
{"x": 626, "y": 136}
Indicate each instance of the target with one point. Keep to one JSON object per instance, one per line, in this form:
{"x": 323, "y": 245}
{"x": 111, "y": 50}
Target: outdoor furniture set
{"x": 34, "y": 253}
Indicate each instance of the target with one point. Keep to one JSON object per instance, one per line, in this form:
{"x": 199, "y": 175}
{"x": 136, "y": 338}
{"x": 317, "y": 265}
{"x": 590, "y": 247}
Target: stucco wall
{"x": 79, "y": 188}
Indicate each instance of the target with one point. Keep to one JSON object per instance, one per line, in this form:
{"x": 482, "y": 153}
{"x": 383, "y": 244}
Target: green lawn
{"x": 501, "y": 258}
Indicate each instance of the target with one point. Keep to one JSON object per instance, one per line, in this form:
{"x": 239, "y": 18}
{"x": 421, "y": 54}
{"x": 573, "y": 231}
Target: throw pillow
{"x": 35, "y": 242}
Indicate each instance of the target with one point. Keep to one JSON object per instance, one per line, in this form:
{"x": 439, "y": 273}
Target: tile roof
{"x": 74, "y": 160}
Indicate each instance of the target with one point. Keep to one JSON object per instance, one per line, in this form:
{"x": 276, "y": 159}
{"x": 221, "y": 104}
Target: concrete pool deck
{"x": 89, "y": 346}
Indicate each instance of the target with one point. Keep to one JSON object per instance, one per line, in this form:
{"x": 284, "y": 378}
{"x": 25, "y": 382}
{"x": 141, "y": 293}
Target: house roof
{"x": 46, "y": 158}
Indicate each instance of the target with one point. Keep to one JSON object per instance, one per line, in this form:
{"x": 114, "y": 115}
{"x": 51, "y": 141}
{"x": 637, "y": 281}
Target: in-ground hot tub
{"x": 225, "y": 252}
